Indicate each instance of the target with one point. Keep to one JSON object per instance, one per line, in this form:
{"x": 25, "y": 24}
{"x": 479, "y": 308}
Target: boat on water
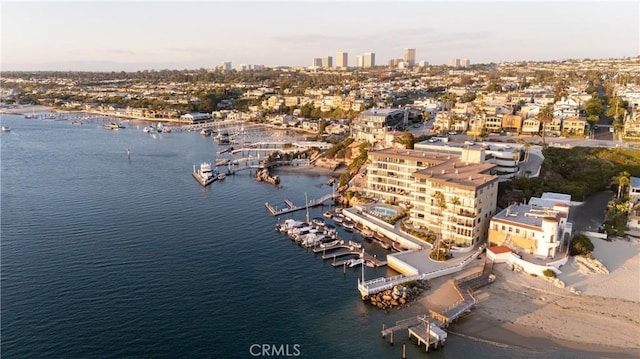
{"x": 222, "y": 138}
{"x": 204, "y": 174}
{"x": 318, "y": 221}
{"x": 348, "y": 225}
{"x": 205, "y": 132}
{"x": 162, "y": 128}
{"x": 31, "y": 116}
{"x": 112, "y": 126}
{"x": 149, "y": 129}
{"x": 327, "y": 214}
{"x": 5, "y": 129}
{"x": 355, "y": 262}
{"x": 222, "y": 176}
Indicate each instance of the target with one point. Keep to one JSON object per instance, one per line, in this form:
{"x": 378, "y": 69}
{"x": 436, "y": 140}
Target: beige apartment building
{"x": 455, "y": 199}
{"x": 389, "y": 176}
{"x": 445, "y": 195}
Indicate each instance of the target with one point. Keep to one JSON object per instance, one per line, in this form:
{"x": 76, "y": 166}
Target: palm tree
{"x": 621, "y": 180}
{"x": 545, "y": 116}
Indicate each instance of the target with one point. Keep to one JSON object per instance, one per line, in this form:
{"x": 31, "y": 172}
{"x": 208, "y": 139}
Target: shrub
{"x": 549, "y": 273}
{"x": 580, "y": 245}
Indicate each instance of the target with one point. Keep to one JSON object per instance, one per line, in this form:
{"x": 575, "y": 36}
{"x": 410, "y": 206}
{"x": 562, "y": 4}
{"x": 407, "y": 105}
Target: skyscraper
{"x": 317, "y": 62}
{"x": 465, "y": 63}
{"x": 410, "y": 56}
{"x": 327, "y": 61}
{"x": 342, "y": 60}
{"x": 359, "y": 62}
{"x": 369, "y": 59}
{"x": 455, "y": 63}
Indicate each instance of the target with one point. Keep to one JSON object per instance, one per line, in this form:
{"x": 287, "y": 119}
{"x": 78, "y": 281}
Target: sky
{"x": 139, "y": 35}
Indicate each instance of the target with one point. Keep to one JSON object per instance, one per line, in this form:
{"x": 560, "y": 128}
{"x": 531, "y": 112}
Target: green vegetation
{"x": 549, "y": 273}
{"x": 441, "y": 252}
{"x": 427, "y": 237}
{"x": 580, "y": 172}
{"x": 580, "y": 245}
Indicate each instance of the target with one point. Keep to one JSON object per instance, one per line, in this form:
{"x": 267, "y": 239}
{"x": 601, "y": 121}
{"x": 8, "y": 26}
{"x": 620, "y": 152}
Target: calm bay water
{"x": 105, "y": 256}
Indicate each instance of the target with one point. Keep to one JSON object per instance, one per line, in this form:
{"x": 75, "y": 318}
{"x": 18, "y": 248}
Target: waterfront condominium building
{"x": 342, "y": 60}
{"x": 327, "y": 61}
{"x": 373, "y": 125}
{"x": 359, "y": 62}
{"x": 410, "y": 57}
{"x": 317, "y": 62}
{"x": 369, "y": 59}
{"x": 465, "y": 63}
{"x": 446, "y": 196}
{"x": 455, "y": 63}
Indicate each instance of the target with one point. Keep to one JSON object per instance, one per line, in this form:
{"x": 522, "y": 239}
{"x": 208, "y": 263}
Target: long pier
{"x": 429, "y": 329}
{"x": 291, "y": 207}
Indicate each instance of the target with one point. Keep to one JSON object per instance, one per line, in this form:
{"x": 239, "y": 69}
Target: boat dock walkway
{"x": 429, "y": 329}
{"x": 291, "y": 207}
{"x": 378, "y": 285}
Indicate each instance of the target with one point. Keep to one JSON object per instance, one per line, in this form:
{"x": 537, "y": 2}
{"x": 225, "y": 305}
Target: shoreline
{"x": 312, "y": 169}
{"x": 518, "y": 310}
{"x": 595, "y": 314}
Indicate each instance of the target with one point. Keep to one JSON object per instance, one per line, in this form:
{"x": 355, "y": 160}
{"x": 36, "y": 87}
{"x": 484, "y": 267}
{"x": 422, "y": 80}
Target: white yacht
{"x": 204, "y": 175}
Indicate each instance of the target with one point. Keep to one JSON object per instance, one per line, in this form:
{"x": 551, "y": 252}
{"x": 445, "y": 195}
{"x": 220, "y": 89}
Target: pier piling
{"x": 404, "y": 350}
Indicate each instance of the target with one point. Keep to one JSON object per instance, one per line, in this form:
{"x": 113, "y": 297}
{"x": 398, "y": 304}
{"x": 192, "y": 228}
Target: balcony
{"x": 466, "y": 214}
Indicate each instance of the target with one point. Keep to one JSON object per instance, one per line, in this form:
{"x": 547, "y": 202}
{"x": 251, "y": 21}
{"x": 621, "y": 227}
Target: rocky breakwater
{"x": 399, "y": 295}
{"x": 264, "y": 176}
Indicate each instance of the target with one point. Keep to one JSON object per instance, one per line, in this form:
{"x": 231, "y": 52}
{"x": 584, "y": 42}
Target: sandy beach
{"x": 21, "y": 110}
{"x": 530, "y": 312}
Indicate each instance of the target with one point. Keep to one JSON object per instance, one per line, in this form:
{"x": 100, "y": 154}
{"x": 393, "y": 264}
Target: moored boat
{"x": 327, "y": 214}
{"x": 204, "y": 174}
{"x": 348, "y": 225}
{"x": 222, "y": 176}
{"x": 112, "y": 126}
{"x": 5, "y": 129}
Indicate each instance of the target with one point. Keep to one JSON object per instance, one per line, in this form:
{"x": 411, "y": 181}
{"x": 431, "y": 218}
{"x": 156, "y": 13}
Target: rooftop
{"x": 460, "y": 174}
{"x": 410, "y": 154}
{"x": 525, "y": 214}
{"x": 634, "y": 181}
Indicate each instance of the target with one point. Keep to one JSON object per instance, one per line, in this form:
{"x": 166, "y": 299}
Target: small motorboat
{"x": 327, "y": 214}
{"x": 5, "y": 129}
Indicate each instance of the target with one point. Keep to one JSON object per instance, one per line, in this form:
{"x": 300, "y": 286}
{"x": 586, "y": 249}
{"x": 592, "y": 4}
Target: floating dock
{"x": 291, "y": 207}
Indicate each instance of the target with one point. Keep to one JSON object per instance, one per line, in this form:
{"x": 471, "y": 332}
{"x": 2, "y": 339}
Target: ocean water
{"x": 114, "y": 257}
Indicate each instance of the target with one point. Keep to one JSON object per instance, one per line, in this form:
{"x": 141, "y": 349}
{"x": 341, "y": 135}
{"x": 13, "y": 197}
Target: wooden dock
{"x": 429, "y": 329}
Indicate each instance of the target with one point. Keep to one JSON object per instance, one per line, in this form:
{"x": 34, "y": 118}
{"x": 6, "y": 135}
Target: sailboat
{"x": 31, "y": 116}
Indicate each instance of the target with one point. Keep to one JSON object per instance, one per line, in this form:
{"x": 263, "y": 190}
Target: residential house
{"x": 372, "y": 125}
{"x": 512, "y": 123}
{"x": 631, "y": 126}
{"x": 531, "y": 126}
{"x": 574, "y": 126}
{"x": 537, "y": 235}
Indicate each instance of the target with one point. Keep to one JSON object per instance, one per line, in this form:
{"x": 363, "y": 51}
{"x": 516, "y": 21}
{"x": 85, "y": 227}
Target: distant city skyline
{"x": 131, "y": 36}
